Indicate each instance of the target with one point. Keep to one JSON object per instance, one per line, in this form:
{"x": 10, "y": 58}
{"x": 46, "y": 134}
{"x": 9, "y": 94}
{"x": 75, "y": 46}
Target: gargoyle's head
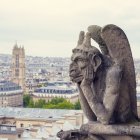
{"x": 84, "y": 55}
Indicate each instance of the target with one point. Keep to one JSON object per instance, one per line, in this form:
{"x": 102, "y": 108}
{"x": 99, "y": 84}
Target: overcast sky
{"x": 51, "y": 27}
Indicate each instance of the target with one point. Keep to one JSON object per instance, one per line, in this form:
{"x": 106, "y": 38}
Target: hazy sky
{"x": 51, "y": 27}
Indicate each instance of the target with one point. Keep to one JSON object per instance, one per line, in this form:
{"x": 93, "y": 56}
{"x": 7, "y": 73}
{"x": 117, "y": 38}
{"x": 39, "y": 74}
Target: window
{"x": 21, "y": 125}
{"x": 13, "y": 129}
{"x": 17, "y": 61}
{"x": 19, "y": 135}
{"x": 4, "y": 128}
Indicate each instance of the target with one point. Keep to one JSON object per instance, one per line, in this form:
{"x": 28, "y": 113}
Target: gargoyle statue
{"x": 105, "y": 77}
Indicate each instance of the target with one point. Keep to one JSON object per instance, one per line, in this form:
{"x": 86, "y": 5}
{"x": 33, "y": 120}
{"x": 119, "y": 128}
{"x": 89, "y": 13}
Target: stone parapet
{"x": 98, "y": 131}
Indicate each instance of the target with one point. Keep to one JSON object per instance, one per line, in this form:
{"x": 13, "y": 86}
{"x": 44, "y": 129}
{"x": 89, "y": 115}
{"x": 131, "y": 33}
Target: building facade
{"x": 38, "y": 124}
{"x": 57, "y": 90}
{"x": 18, "y": 66}
{"x": 10, "y": 94}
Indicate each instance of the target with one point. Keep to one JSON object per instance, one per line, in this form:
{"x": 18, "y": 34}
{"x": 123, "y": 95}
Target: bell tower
{"x": 18, "y": 66}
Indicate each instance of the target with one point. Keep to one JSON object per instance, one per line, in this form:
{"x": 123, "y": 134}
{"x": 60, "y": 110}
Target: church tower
{"x": 18, "y": 66}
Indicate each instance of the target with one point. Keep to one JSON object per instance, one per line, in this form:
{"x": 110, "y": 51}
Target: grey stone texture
{"x": 106, "y": 82}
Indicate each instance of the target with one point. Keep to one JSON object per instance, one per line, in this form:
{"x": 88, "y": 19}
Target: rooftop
{"x": 57, "y": 88}
{"x": 34, "y": 113}
{"x": 8, "y": 86}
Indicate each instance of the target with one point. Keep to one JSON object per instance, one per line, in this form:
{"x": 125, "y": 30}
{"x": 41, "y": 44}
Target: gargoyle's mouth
{"x": 75, "y": 76}
{"x": 74, "y": 73}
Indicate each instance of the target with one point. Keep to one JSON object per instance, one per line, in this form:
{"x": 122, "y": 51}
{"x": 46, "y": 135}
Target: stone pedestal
{"x": 98, "y": 131}
{"x": 120, "y": 138}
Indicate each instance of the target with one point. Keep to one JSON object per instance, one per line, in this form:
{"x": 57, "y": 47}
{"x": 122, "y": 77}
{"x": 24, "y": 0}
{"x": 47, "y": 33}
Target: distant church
{"x": 18, "y": 66}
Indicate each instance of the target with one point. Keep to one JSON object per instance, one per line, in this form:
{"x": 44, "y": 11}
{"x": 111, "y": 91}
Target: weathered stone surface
{"x": 82, "y": 135}
{"x": 115, "y": 129}
{"x": 107, "y": 85}
{"x": 106, "y": 79}
{"x": 121, "y": 138}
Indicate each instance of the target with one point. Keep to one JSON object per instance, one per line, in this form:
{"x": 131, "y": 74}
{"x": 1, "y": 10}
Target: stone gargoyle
{"x": 106, "y": 78}
{"x": 106, "y": 81}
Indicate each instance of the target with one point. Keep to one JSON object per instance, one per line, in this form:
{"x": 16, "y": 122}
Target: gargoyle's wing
{"x": 120, "y": 52}
{"x": 95, "y": 32}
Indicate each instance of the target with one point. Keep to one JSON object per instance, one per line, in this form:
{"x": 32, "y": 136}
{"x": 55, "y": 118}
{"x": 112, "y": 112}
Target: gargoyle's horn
{"x": 87, "y": 39}
{"x": 81, "y": 38}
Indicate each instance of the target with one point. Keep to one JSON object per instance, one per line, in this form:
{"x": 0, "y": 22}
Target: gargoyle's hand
{"x": 76, "y": 79}
{"x": 88, "y": 75}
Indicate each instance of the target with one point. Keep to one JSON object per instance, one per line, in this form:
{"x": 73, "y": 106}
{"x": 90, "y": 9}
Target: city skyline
{"x": 50, "y": 28}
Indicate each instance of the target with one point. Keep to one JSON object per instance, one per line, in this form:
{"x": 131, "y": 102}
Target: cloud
{"x": 56, "y": 24}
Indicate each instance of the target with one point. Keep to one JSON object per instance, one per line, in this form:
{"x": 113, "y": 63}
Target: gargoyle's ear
{"x": 96, "y": 62}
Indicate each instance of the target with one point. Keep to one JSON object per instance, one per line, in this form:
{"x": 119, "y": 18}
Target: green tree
{"x": 26, "y": 100}
{"x": 59, "y": 103}
{"x": 55, "y": 103}
{"x": 31, "y": 104}
{"x": 77, "y": 105}
{"x": 65, "y": 105}
{"x": 40, "y": 103}
{"x": 49, "y": 106}
{"x": 56, "y": 100}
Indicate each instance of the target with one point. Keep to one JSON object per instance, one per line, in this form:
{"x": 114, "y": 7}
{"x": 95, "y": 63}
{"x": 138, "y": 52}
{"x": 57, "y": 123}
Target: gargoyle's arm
{"x": 104, "y": 110}
{"x": 90, "y": 95}
{"x": 85, "y": 106}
